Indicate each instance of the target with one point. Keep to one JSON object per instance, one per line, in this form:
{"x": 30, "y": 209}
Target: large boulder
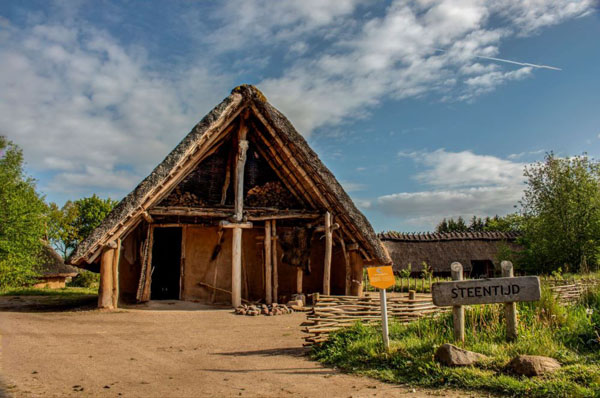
{"x": 451, "y": 355}
{"x": 533, "y": 365}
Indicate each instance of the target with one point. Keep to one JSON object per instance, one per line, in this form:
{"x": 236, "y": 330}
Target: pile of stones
{"x": 263, "y": 309}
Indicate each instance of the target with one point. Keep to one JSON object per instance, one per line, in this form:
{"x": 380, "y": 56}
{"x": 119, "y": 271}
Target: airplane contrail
{"x": 508, "y": 61}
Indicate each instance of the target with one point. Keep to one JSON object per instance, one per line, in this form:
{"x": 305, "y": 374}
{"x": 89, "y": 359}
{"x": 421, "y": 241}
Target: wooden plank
{"x": 486, "y": 291}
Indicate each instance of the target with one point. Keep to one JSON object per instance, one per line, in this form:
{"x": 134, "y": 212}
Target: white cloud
{"x": 462, "y": 184}
{"x": 91, "y": 112}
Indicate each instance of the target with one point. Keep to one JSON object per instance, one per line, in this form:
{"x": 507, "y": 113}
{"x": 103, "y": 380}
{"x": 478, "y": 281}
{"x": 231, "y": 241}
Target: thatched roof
{"x": 439, "y": 250}
{"x": 51, "y": 264}
{"x": 313, "y": 179}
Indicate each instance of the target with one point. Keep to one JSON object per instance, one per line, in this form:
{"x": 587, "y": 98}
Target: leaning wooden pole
{"x": 274, "y": 260}
{"x": 236, "y": 246}
{"x": 328, "y": 251}
{"x": 268, "y": 263}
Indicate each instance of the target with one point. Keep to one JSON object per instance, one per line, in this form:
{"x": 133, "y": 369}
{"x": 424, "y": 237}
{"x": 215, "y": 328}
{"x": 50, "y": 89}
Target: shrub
{"x": 85, "y": 279}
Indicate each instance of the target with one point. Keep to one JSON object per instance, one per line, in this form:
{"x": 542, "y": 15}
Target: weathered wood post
{"x": 268, "y": 264}
{"x": 458, "y": 311}
{"x": 236, "y": 247}
{"x": 275, "y": 260}
{"x": 510, "y": 309}
{"x": 105, "y": 290}
{"x": 328, "y": 251}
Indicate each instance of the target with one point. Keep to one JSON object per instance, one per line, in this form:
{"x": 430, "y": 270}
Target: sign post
{"x": 458, "y": 312}
{"x": 382, "y": 278}
{"x": 508, "y": 290}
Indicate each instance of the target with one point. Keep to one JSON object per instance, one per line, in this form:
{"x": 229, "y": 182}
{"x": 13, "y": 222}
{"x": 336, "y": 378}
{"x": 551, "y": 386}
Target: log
{"x": 105, "y": 289}
{"x": 299, "y": 276}
{"x": 274, "y": 261}
{"x": 328, "y": 251}
{"x": 236, "y": 268}
{"x": 348, "y": 283}
{"x": 115, "y": 275}
{"x": 268, "y": 267}
{"x": 357, "y": 273}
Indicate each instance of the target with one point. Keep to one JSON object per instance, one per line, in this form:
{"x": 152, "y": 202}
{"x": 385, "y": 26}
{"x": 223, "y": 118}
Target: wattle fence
{"x": 331, "y": 313}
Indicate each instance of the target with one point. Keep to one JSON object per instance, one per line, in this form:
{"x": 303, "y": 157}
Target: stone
{"x": 533, "y": 365}
{"x": 451, "y": 355}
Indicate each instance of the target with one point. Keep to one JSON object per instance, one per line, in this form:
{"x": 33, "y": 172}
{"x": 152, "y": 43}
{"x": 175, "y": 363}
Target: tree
{"x": 76, "y": 220}
{"x": 22, "y": 219}
{"x": 561, "y": 214}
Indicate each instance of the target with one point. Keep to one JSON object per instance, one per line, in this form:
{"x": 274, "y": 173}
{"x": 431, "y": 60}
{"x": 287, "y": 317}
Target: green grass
{"x": 63, "y": 292}
{"x": 569, "y": 335}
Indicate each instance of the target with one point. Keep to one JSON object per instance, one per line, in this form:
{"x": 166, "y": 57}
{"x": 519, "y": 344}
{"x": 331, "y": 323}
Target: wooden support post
{"x": 236, "y": 247}
{"x": 299, "y": 276}
{"x": 274, "y": 261}
{"x": 268, "y": 259}
{"x": 105, "y": 290}
{"x": 458, "y": 311}
{"x": 348, "y": 284}
{"x": 182, "y": 261}
{"x": 328, "y": 251}
{"x": 510, "y": 309}
{"x": 356, "y": 264}
{"x": 115, "y": 275}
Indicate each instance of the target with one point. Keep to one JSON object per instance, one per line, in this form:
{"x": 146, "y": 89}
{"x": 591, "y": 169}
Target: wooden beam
{"x": 147, "y": 217}
{"x": 348, "y": 284}
{"x": 105, "y": 289}
{"x": 322, "y": 228}
{"x": 243, "y": 225}
{"x": 328, "y": 251}
{"x": 252, "y": 214}
{"x": 148, "y": 279}
{"x": 274, "y": 261}
{"x": 236, "y": 250}
{"x": 115, "y": 275}
{"x": 356, "y": 265}
{"x": 268, "y": 264}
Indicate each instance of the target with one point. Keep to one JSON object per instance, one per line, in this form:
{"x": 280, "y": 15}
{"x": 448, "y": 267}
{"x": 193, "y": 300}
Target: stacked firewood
{"x": 263, "y": 309}
{"x": 185, "y": 199}
{"x": 271, "y": 194}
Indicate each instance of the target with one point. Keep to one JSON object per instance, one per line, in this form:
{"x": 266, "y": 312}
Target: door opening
{"x": 166, "y": 263}
{"x": 482, "y": 269}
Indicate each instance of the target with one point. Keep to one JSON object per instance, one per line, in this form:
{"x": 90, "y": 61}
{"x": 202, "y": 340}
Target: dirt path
{"x": 176, "y": 353}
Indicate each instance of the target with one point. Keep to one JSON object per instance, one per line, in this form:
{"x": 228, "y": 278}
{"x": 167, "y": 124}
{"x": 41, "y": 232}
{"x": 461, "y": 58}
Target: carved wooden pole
{"x": 236, "y": 247}
{"x": 328, "y": 251}
{"x": 458, "y": 311}
{"x": 268, "y": 259}
{"x": 510, "y": 309}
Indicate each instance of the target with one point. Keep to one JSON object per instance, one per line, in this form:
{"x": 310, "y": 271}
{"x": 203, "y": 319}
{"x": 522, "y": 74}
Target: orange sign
{"x": 381, "y": 277}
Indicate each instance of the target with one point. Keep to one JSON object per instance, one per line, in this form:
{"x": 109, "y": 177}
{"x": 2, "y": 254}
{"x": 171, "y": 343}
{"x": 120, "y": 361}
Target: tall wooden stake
{"x": 299, "y": 276}
{"x": 510, "y": 309}
{"x": 236, "y": 250}
{"x": 105, "y": 290}
{"x": 328, "y": 251}
{"x": 268, "y": 259}
{"x": 115, "y": 275}
{"x": 458, "y": 311}
{"x": 274, "y": 261}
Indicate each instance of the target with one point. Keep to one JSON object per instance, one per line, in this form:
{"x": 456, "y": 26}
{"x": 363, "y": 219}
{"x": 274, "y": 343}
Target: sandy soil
{"x": 166, "y": 350}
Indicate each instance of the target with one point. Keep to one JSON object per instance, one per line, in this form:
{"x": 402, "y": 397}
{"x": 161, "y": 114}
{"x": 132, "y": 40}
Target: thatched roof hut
{"x": 242, "y": 167}
{"x": 53, "y": 270}
{"x": 476, "y": 251}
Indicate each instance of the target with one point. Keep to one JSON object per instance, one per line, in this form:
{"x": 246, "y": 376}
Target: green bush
{"x": 85, "y": 279}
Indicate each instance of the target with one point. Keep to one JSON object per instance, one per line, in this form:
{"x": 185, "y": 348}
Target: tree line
{"x": 557, "y": 219}
{"x": 27, "y": 222}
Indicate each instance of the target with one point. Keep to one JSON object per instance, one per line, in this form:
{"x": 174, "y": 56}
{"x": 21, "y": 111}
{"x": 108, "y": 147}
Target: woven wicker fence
{"x": 331, "y": 313}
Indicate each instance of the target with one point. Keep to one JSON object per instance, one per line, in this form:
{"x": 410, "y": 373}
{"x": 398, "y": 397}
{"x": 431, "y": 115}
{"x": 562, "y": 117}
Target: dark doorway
{"x": 482, "y": 269}
{"x": 166, "y": 264}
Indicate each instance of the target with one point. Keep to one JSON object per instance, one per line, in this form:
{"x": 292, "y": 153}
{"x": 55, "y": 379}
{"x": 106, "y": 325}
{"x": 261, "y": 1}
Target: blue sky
{"x": 399, "y": 98}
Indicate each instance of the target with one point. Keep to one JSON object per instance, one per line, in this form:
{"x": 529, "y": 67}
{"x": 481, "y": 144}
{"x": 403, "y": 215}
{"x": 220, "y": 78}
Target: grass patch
{"x": 62, "y": 292}
{"x": 568, "y": 334}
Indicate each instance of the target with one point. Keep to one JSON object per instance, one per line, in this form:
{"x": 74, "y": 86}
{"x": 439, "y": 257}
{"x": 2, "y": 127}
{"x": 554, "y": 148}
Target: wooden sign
{"x": 486, "y": 291}
{"x": 381, "y": 277}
